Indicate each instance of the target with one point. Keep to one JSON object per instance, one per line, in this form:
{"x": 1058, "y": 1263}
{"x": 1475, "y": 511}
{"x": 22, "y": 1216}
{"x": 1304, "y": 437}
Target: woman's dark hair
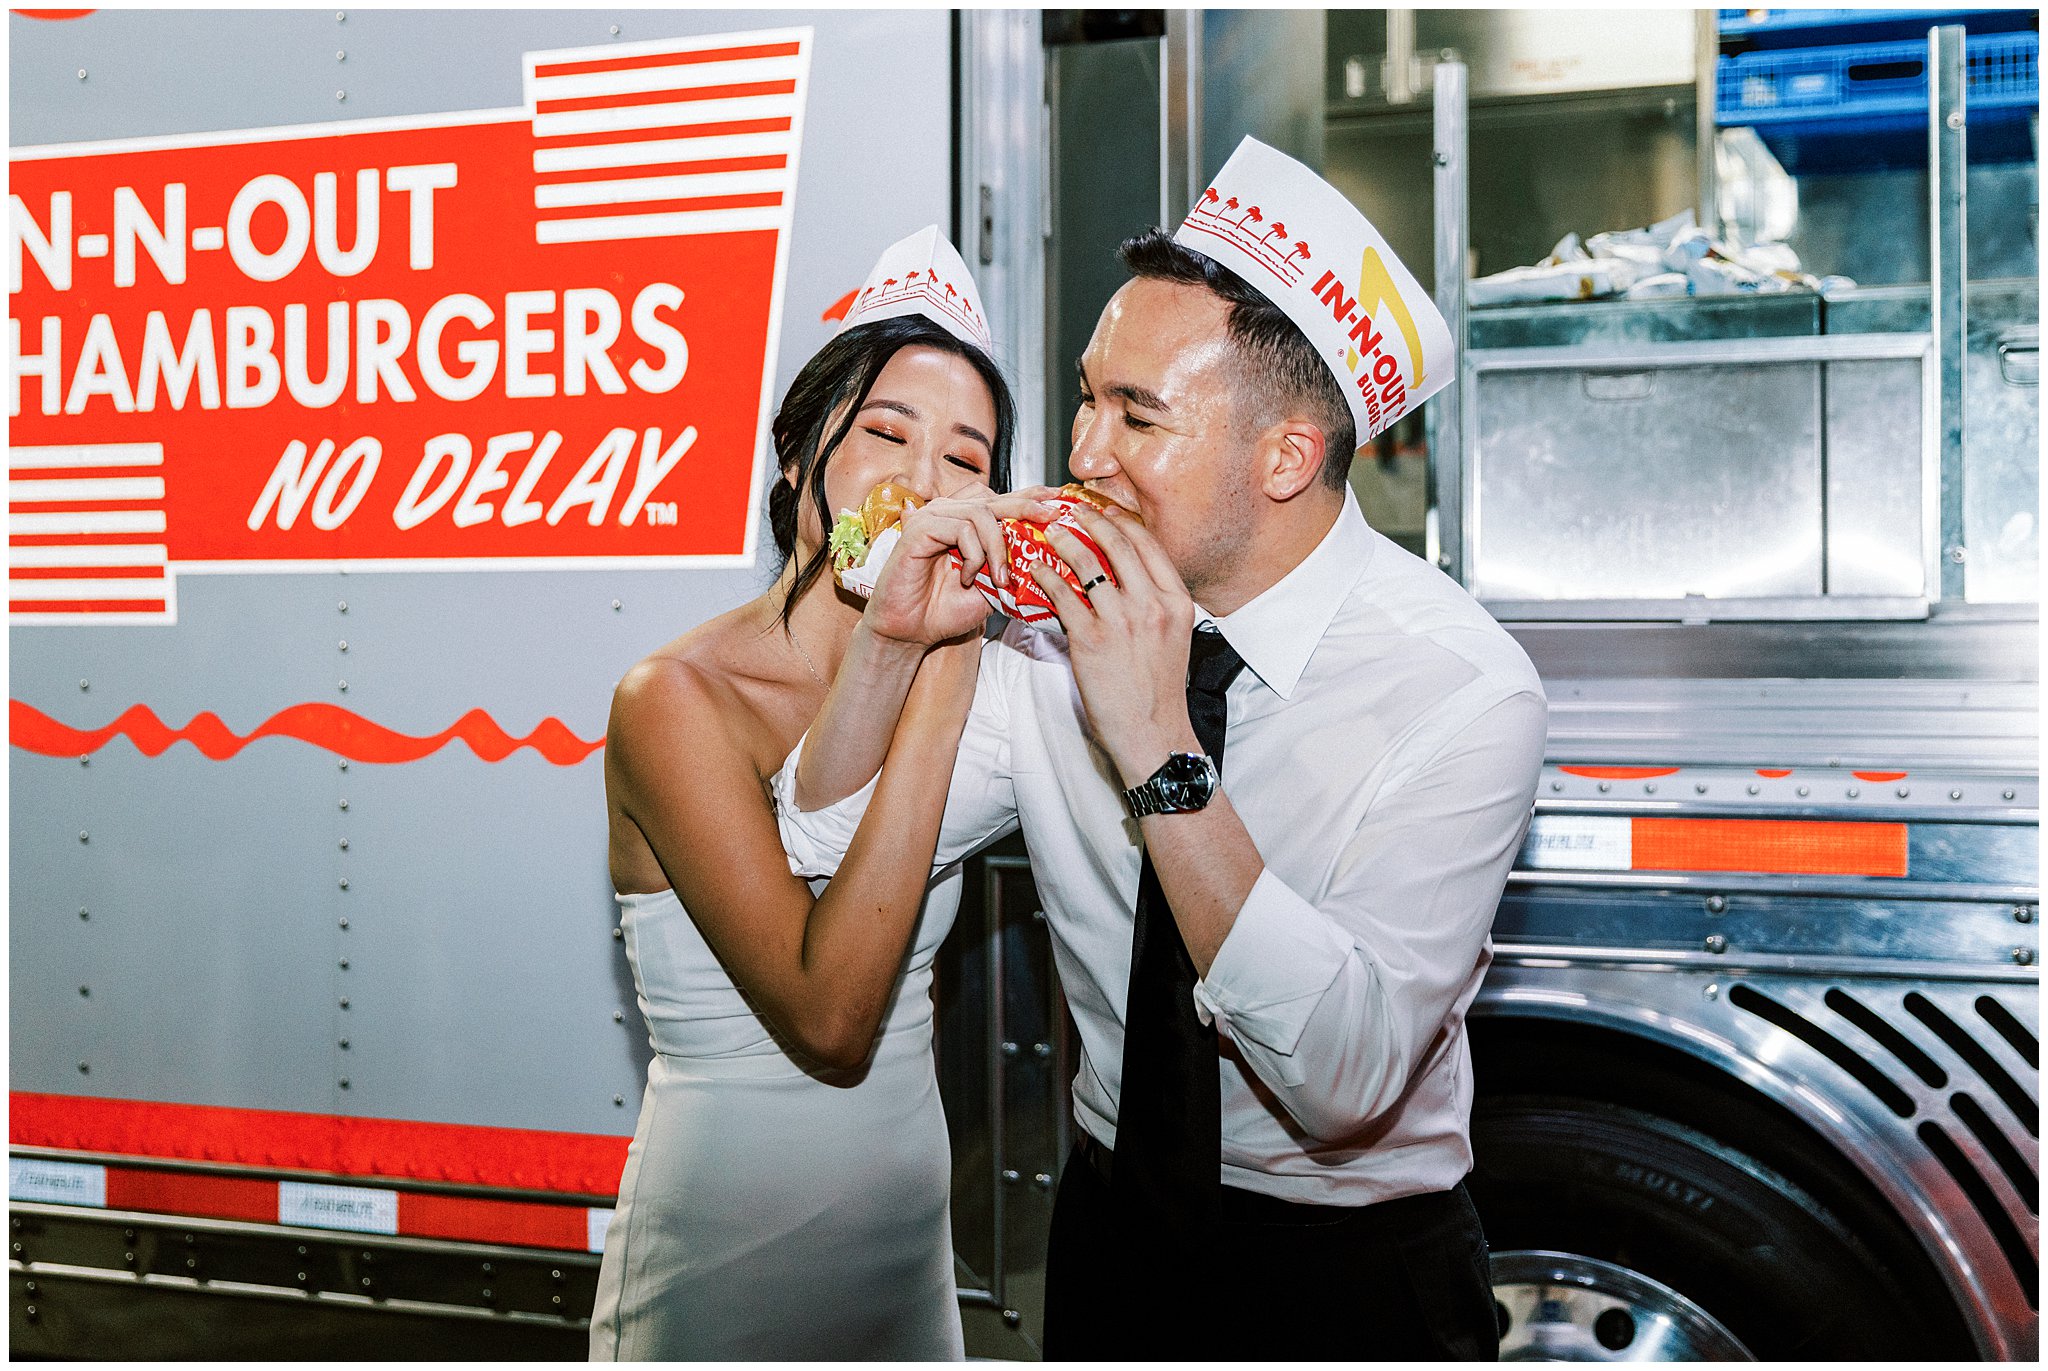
{"x": 827, "y": 394}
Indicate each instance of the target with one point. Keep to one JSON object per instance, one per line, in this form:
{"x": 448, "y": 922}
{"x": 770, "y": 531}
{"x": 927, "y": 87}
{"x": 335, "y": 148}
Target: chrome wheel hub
{"x": 1556, "y": 1306}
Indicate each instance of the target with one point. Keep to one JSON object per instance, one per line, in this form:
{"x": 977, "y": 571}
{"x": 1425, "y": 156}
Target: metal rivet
{"x": 619, "y": 1099}
{"x": 341, "y": 95}
{"x": 1958, "y": 554}
{"x": 1755, "y": 789}
{"x": 344, "y": 844}
{"x": 1011, "y": 1318}
{"x": 1712, "y": 990}
{"x": 1955, "y": 794}
{"x": 1904, "y": 791}
{"x": 85, "y": 991}
{"x": 30, "y": 1287}
{"x": 1699, "y": 787}
{"x": 341, "y": 16}
{"x": 85, "y": 761}
{"x": 302, "y": 1276}
{"x": 1649, "y": 787}
{"x": 2008, "y": 794}
{"x": 344, "y": 764}
{"x": 2023, "y": 956}
{"x": 2023, "y": 914}
{"x": 342, "y": 686}
{"x": 1803, "y": 792}
{"x": 1011, "y": 1176}
{"x": 85, "y": 1068}
{"x": 616, "y": 605}
{"x": 84, "y": 836}
{"x": 618, "y": 1016}
{"x": 342, "y": 606}
{"x": 341, "y": 55}
{"x": 366, "y": 1282}
{"x": 1955, "y": 119}
{"x": 85, "y": 685}
{"x": 555, "y": 1299}
{"x": 344, "y": 883}
{"x": 615, "y": 30}
{"x": 618, "y": 933}
{"x": 85, "y": 914}
{"x": 344, "y": 963}
{"x": 1557, "y": 785}
{"x": 1716, "y": 943}
{"x": 1041, "y": 1049}
{"x": 488, "y": 1268}
{"x": 487, "y": 1293}
{"x": 343, "y": 644}
{"x": 344, "y": 1002}
{"x": 343, "y": 1083}
{"x": 81, "y": 73}
{"x": 554, "y": 1275}
{"x": 344, "y": 923}
{"x": 1853, "y": 792}
{"x": 1717, "y": 904}
{"x": 1605, "y": 787}
{"x": 1010, "y": 1049}
{"x": 342, "y": 1043}
{"x": 344, "y": 804}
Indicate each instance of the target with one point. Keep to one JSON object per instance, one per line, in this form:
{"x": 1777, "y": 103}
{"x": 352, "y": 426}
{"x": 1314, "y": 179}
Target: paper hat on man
{"x": 923, "y": 274}
{"x": 1295, "y": 239}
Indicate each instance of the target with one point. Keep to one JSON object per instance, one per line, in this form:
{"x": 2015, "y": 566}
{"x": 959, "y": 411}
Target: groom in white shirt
{"x": 1272, "y": 778}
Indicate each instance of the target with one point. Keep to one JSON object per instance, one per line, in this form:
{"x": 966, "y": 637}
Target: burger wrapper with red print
{"x": 1024, "y": 543}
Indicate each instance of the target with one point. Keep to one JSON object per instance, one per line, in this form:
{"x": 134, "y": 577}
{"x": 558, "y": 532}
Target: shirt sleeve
{"x": 1337, "y": 1003}
{"x": 981, "y": 804}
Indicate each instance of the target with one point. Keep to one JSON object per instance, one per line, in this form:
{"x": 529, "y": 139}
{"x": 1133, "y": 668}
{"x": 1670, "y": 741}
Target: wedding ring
{"x": 1097, "y": 579}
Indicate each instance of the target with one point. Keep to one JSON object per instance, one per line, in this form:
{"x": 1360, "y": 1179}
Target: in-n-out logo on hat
{"x": 1373, "y": 324}
{"x": 923, "y": 274}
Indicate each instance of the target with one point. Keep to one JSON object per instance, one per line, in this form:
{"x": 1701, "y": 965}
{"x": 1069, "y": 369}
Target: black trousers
{"x": 1404, "y": 1280}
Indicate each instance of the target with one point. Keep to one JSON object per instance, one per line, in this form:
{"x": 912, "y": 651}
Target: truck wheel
{"x": 1621, "y": 1236}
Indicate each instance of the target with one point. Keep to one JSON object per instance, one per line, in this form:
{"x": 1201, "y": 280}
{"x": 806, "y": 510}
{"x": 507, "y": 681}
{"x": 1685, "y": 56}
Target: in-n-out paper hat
{"x": 923, "y": 274}
{"x": 1296, "y": 240}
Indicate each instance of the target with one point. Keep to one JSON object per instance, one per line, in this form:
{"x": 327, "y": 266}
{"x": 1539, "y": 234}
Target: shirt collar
{"x": 1277, "y": 632}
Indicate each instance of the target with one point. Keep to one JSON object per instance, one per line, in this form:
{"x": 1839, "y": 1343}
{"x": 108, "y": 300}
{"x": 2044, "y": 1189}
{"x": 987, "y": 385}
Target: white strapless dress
{"x": 771, "y": 1209}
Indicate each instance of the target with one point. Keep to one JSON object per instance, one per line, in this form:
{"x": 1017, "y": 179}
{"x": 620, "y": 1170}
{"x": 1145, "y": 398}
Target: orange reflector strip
{"x": 1880, "y": 775}
{"x": 1793, "y": 847}
{"x": 1619, "y": 773}
{"x": 1774, "y": 775}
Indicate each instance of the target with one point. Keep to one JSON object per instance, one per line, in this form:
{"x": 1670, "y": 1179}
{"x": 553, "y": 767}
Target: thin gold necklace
{"x": 809, "y": 666}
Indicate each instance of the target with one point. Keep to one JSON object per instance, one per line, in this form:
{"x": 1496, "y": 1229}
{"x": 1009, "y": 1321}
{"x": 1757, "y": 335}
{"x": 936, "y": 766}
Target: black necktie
{"x": 1169, "y": 1132}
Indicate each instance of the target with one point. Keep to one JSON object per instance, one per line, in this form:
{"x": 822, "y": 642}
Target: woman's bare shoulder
{"x": 699, "y": 686}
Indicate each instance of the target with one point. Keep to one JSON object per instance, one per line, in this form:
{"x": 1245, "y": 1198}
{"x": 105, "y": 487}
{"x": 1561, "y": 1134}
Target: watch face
{"x": 1186, "y": 781}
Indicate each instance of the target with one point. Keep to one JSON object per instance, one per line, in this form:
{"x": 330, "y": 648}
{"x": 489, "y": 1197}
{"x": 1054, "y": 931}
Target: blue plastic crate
{"x": 1872, "y": 85}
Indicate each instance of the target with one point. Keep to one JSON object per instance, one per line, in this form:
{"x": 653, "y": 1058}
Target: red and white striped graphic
{"x": 662, "y": 139}
{"x": 85, "y": 535}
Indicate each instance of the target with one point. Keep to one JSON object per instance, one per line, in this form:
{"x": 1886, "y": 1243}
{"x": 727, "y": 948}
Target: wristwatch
{"x": 1185, "y": 782}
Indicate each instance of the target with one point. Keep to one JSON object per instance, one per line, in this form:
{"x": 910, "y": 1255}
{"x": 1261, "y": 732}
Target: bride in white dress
{"x": 785, "y": 1194}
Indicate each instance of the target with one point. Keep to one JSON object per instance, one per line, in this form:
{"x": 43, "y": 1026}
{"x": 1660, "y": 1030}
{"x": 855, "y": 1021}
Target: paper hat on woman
{"x": 923, "y": 274}
{"x": 1295, "y": 239}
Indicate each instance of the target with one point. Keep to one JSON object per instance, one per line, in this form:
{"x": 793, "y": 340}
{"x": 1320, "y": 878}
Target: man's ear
{"x": 1291, "y": 455}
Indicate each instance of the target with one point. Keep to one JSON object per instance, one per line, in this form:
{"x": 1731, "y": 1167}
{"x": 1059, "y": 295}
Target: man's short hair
{"x": 1281, "y": 371}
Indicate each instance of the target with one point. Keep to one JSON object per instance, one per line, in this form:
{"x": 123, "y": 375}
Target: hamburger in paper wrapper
{"x": 863, "y": 539}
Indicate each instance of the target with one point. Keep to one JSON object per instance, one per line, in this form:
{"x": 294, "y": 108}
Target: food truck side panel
{"x": 342, "y": 853}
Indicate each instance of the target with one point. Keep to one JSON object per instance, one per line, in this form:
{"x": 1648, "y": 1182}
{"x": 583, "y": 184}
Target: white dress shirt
{"x": 1383, "y": 750}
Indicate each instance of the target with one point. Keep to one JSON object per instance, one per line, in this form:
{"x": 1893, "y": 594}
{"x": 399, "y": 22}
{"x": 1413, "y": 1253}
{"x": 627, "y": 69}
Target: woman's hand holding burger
{"x": 924, "y": 596}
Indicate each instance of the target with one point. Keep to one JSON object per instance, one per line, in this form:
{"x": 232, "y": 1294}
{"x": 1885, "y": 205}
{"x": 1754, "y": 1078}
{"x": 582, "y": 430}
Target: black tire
{"x": 1748, "y": 1245}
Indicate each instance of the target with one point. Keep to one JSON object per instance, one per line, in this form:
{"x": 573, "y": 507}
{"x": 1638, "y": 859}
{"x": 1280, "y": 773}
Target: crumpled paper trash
{"x": 1671, "y": 258}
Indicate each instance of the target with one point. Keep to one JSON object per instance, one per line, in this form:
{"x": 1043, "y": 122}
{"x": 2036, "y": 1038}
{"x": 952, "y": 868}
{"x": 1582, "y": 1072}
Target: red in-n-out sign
{"x": 508, "y": 338}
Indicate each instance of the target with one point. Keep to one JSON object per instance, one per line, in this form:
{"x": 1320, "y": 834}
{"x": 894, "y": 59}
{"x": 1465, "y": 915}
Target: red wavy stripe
{"x": 340, "y": 731}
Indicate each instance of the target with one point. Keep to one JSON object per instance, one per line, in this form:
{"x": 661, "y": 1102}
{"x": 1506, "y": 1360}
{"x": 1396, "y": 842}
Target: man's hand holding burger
{"x": 1128, "y": 638}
